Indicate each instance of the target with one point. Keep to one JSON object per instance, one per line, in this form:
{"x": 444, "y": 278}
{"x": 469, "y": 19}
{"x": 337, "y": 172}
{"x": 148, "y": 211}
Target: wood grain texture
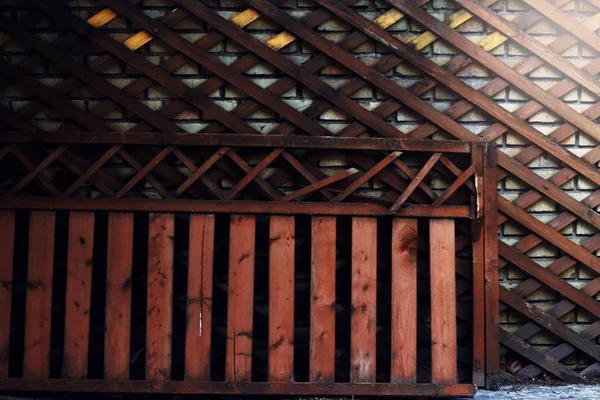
{"x": 119, "y": 258}
{"x": 7, "y": 241}
{"x": 159, "y": 321}
{"x": 240, "y": 307}
{"x": 404, "y": 300}
{"x": 322, "y": 294}
{"x": 363, "y": 322}
{"x": 79, "y": 290}
{"x": 40, "y": 268}
{"x": 443, "y": 301}
{"x": 199, "y": 297}
{"x": 281, "y": 298}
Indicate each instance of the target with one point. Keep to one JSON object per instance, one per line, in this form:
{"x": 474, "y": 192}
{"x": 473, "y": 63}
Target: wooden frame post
{"x": 492, "y": 351}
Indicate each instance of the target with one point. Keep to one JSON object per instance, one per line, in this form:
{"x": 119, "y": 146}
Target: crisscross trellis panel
{"x": 521, "y": 73}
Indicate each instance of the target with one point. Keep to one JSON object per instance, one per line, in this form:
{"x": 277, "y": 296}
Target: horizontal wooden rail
{"x": 233, "y": 140}
{"x": 254, "y": 388}
{"x": 234, "y": 206}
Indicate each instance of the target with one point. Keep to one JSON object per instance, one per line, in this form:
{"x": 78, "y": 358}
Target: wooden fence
{"x": 251, "y": 353}
{"x": 86, "y": 44}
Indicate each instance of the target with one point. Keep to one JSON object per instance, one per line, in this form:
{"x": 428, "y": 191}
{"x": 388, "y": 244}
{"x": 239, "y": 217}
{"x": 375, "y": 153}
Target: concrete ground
{"x": 521, "y": 392}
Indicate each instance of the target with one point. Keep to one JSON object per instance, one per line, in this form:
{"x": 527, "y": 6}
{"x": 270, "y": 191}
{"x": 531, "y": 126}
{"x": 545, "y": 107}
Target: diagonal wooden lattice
{"x": 401, "y": 180}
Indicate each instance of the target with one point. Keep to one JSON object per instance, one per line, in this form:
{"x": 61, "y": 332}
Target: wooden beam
{"x": 226, "y": 388}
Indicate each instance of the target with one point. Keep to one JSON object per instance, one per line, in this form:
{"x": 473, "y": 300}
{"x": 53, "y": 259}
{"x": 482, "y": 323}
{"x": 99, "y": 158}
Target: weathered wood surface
{"x": 403, "y": 186}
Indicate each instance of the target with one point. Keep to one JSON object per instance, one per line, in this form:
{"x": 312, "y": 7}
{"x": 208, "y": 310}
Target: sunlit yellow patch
{"x": 102, "y": 18}
{"x": 138, "y": 40}
{"x": 245, "y": 17}
{"x": 388, "y": 18}
{"x": 492, "y": 41}
{"x": 281, "y": 40}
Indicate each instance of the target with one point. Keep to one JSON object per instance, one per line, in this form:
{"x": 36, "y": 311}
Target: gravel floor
{"x": 574, "y": 392}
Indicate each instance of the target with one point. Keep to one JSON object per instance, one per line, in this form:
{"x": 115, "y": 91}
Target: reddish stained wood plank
{"x": 404, "y": 300}
{"x": 36, "y": 358}
{"x": 238, "y": 357}
{"x": 7, "y": 239}
{"x": 281, "y": 298}
{"x": 443, "y": 301}
{"x": 160, "y": 296}
{"x": 118, "y": 295}
{"x": 363, "y": 323}
{"x": 78, "y": 296}
{"x": 492, "y": 295}
{"x": 478, "y": 262}
{"x": 322, "y": 294}
{"x": 199, "y": 297}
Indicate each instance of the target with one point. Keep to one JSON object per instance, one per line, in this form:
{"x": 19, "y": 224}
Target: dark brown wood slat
{"x": 238, "y": 207}
{"x": 240, "y": 307}
{"x": 478, "y": 243}
{"x": 119, "y": 259}
{"x": 213, "y": 64}
{"x": 491, "y": 242}
{"x": 99, "y": 64}
{"x": 404, "y": 301}
{"x": 443, "y": 303}
{"x": 286, "y": 65}
{"x": 338, "y": 176}
{"x": 159, "y": 75}
{"x": 454, "y": 128}
{"x": 549, "y": 323}
{"x": 363, "y": 324}
{"x": 237, "y": 140}
{"x": 438, "y": 73}
{"x": 322, "y": 294}
{"x": 37, "y": 170}
{"x": 450, "y": 190}
{"x": 415, "y": 182}
{"x": 7, "y": 238}
{"x": 78, "y": 295}
{"x": 227, "y": 388}
{"x": 199, "y": 297}
{"x": 503, "y": 70}
{"x": 103, "y": 159}
{"x": 90, "y": 77}
{"x": 40, "y": 269}
{"x": 549, "y": 279}
{"x": 281, "y": 298}
{"x": 533, "y": 45}
{"x": 377, "y": 168}
{"x": 454, "y": 65}
{"x": 159, "y": 319}
{"x": 549, "y": 364}
{"x": 564, "y": 20}
{"x": 53, "y": 99}
{"x": 549, "y": 234}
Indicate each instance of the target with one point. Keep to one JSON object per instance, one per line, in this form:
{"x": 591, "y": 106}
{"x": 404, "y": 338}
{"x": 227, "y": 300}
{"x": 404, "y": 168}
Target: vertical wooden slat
{"x": 404, "y": 300}
{"x": 281, "y": 299}
{"x": 199, "y": 300}
{"x": 78, "y": 296}
{"x": 443, "y": 301}
{"x": 363, "y": 323}
{"x": 492, "y": 293}
{"x": 118, "y": 295}
{"x": 36, "y": 358}
{"x": 159, "y": 325}
{"x": 478, "y": 282}
{"x": 7, "y": 240}
{"x": 238, "y": 362}
{"x": 322, "y": 294}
